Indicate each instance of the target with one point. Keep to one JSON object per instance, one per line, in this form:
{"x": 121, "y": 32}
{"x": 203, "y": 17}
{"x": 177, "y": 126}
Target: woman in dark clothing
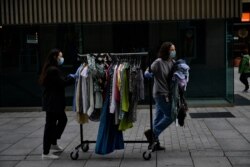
{"x": 53, "y": 98}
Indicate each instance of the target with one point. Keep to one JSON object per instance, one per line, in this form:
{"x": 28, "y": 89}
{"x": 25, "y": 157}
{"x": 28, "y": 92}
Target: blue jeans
{"x": 162, "y": 115}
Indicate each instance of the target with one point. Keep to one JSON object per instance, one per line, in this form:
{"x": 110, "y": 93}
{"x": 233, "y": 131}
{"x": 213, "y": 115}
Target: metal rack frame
{"x": 84, "y": 144}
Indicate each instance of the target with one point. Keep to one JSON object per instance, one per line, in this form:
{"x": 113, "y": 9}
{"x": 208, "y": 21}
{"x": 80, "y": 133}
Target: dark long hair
{"x": 51, "y": 60}
{"x": 164, "y": 50}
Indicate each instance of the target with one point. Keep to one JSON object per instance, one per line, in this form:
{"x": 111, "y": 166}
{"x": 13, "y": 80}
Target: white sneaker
{"x": 56, "y": 148}
{"x": 49, "y": 156}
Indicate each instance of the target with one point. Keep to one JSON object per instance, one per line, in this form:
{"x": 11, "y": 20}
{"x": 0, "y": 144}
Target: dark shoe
{"x": 158, "y": 147}
{"x": 149, "y": 135}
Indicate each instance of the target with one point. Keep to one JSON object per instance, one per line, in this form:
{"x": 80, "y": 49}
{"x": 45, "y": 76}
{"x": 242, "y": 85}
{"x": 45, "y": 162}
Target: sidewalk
{"x": 203, "y": 142}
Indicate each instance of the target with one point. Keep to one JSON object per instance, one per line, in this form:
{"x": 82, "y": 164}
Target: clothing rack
{"x": 84, "y": 144}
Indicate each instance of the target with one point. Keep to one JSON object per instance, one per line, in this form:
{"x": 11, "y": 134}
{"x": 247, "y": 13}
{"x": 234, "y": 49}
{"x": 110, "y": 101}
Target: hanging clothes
{"x": 132, "y": 93}
{"x": 125, "y": 122}
{"x": 109, "y": 138}
{"x": 113, "y": 103}
{"x": 126, "y": 88}
{"x": 98, "y": 80}
{"x": 88, "y": 100}
{"x": 76, "y": 77}
{"x": 98, "y": 75}
{"x": 81, "y": 116}
{"x": 136, "y": 91}
{"x": 85, "y": 90}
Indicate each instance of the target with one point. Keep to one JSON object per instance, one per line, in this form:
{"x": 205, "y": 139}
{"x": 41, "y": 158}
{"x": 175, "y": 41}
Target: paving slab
{"x": 237, "y": 153}
{"x": 218, "y": 124}
{"x": 211, "y": 162}
{"x": 247, "y": 136}
{"x": 8, "y": 163}
{"x": 66, "y": 163}
{"x": 110, "y": 160}
{"x": 236, "y": 161}
{"x": 234, "y": 144}
{"x": 41, "y": 163}
{"x": 174, "y": 159}
{"x": 4, "y": 146}
{"x": 228, "y": 134}
{"x": 136, "y": 159}
{"x": 243, "y": 128}
{"x": 11, "y": 138}
{"x": 23, "y": 147}
{"x": 207, "y": 153}
{"x": 4, "y": 120}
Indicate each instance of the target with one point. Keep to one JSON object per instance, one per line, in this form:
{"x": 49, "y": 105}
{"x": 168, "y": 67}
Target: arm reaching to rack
{"x": 72, "y": 76}
{"x": 148, "y": 74}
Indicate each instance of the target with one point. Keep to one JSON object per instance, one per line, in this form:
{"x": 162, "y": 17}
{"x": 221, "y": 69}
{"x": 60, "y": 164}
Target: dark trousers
{"x": 54, "y": 127}
{"x": 243, "y": 79}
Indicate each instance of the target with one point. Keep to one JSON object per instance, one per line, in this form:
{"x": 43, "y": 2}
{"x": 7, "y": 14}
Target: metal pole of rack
{"x": 150, "y": 96}
{"x": 129, "y": 54}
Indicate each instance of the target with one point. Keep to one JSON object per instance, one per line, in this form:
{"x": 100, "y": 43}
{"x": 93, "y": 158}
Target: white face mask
{"x": 173, "y": 54}
{"x": 60, "y": 61}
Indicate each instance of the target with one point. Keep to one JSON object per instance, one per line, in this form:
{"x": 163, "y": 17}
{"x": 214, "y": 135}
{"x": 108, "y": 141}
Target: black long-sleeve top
{"x": 54, "y": 92}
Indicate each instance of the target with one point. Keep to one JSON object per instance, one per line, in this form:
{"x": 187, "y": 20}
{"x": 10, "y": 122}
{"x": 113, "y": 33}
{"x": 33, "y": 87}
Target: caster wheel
{"x": 74, "y": 155}
{"x": 85, "y": 147}
{"x": 146, "y": 155}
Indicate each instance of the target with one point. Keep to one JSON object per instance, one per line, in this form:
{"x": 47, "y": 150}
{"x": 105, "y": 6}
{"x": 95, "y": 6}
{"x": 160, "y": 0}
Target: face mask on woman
{"x": 172, "y": 54}
{"x": 60, "y": 61}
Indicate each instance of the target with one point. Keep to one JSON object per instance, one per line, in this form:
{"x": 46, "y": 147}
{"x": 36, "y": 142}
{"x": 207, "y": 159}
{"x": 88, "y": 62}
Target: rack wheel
{"x": 74, "y": 155}
{"x": 146, "y": 155}
{"x": 85, "y": 147}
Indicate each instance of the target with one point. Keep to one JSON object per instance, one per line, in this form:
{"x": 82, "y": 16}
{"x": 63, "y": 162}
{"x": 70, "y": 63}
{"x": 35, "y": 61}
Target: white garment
{"x": 77, "y": 92}
{"x": 85, "y": 89}
{"x": 112, "y": 104}
{"x": 84, "y": 72}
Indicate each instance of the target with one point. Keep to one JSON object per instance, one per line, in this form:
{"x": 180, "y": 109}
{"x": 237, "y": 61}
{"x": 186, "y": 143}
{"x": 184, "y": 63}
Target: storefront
{"x": 201, "y": 30}
{"x": 240, "y": 33}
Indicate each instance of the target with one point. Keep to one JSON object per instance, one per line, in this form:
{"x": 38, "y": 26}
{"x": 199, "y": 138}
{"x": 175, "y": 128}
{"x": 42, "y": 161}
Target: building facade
{"x": 202, "y": 31}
